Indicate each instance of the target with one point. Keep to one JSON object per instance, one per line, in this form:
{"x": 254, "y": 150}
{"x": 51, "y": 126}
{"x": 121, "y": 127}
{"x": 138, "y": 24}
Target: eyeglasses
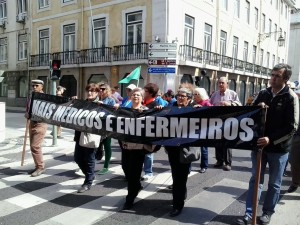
{"x": 102, "y": 89}
{"x": 138, "y": 95}
{"x": 181, "y": 96}
{"x": 276, "y": 76}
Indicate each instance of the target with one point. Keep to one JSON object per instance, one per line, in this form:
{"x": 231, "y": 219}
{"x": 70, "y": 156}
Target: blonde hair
{"x": 202, "y": 93}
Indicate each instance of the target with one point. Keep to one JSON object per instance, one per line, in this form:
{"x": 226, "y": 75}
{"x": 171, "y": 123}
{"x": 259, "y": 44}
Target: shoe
{"x": 127, "y": 206}
{"x": 246, "y": 220}
{"x": 226, "y": 167}
{"x": 84, "y": 188}
{"x": 146, "y": 177}
{"x": 265, "y": 219}
{"x": 218, "y": 164}
{"x": 202, "y": 170}
{"x": 31, "y": 171}
{"x": 37, "y": 172}
{"x": 103, "y": 171}
{"x": 79, "y": 173}
{"x": 175, "y": 212}
{"x": 170, "y": 187}
{"x": 292, "y": 188}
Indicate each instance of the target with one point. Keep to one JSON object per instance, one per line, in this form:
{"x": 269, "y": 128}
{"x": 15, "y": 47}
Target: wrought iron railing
{"x": 95, "y": 55}
{"x": 130, "y": 52}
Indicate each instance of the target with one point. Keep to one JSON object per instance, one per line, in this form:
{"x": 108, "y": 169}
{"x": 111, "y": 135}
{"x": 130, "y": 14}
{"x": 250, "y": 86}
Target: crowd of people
{"x": 280, "y": 138}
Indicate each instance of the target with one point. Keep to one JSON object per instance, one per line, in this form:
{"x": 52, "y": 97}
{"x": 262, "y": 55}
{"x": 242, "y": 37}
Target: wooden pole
{"x": 256, "y": 186}
{"x": 24, "y": 143}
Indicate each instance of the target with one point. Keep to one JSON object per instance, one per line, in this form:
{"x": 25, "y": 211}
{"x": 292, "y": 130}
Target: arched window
{"x": 232, "y": 85}
{"x": 97, "y": 78}
{"x": 70, "y": 83}
{"x": 3, "y": 86}
{"x": 205, "y": 83}
{"x": 242, "y": 94}
{"x": 23, "y": 87}
{"x": 186, "y": 78}
{"x": 251, "y": 88}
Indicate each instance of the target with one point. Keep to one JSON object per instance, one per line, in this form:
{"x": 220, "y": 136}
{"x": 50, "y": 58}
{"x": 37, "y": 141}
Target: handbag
{"x": 89, "y": 140}
{"x": 189, "y": 154}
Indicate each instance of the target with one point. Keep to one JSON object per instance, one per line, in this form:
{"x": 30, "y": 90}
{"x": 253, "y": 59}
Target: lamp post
{"x": 280, "y": 40}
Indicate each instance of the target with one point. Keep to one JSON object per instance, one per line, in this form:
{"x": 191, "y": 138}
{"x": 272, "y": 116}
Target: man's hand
{"x": 263, "y": 142}
{"x": 263, "y": 105}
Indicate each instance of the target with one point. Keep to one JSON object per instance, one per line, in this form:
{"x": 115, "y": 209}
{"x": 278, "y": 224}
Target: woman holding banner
{"x": 105, "y": 98}
{"x": 134, "y": 154}
{"x": 85, "y": 156}
{"x": 179, "y": 169}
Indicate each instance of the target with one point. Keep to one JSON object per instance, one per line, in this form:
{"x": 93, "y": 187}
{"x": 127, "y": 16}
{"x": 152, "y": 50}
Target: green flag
{"x": 134, "y": 75}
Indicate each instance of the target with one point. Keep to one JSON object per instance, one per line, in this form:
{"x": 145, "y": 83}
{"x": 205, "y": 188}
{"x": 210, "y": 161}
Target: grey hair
{"x": 287, "y": 72}
{"x": 202, "y": 92}
{"x": 188, "y": 92}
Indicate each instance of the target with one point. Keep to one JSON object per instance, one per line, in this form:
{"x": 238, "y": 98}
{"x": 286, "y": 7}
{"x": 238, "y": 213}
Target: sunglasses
{"x": 196, "y": 94}
{"x": 102, "y": 89}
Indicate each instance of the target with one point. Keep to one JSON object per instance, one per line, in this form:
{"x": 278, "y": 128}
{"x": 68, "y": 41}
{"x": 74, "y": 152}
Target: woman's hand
{"x": 159, "y": 107}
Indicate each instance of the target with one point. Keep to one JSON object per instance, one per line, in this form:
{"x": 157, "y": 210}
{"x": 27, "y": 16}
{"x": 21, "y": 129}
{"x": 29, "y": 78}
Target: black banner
{"x": 232, "y": 127}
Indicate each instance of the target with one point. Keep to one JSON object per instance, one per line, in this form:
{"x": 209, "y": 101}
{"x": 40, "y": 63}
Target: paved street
{"x": 215, "y": 197}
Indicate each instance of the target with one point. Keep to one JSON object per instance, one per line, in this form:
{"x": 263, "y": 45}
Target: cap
{"x": 37, "y": 82}
{"x": 131, "y": 86}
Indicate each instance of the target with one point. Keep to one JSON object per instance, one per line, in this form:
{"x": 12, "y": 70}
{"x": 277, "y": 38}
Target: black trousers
{"x": 180, "y": 172}
{"x": 223, "y": 155}
{"x": 132, "y": 161}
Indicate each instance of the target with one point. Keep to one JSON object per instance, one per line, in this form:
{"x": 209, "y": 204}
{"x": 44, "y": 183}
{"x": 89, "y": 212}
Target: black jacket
{"x": 282, "y": 118}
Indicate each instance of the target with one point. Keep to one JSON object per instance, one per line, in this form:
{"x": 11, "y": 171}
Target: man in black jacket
{"x": 281, "y": 123}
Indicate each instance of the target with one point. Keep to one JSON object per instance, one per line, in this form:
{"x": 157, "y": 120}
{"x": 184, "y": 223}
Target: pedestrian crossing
{"x": 52, "y": 198}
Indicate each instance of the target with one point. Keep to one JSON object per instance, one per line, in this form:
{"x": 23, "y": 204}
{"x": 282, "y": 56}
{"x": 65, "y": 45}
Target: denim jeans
{"x": 204, "y": 157}
{"x": 148, "y": 162}
{"x": 276, "y": 163}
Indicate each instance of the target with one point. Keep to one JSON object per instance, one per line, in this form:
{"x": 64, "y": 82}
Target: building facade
{"x": 105, "y": 40}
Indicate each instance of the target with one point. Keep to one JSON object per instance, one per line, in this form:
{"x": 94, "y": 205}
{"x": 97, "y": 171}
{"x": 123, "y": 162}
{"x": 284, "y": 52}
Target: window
{"x": 207, "y": 40}
{"x": 43, "y": 4}
{"x": 263, "y": 28}
{"x": 268, "y": 60}
{"x": 275, "y": 32}
{"x": 242, "y": 94}
{"x": 22, "y": 46}
{"x": 223, "y": 40}
{"x": 70, "y": 83}
{"x": 232, "y": 85}
{"x": 254, "y": 54}
{"x": 99, "y": 33}
{"x": 251, "y": 88}
{"x": 44, "y": 46}
{"x": 237, "y": 8}
{"x": 235, "y": 47}
{"x": 248, "y": 12}
{"x": 3, "y": 87}
{"x": 281, "y": 7}
{"x": 256, "y": 18}
{"x": 189, "y": 30}
{"x": 22, "y": 7}
{"x": 3, "y": 10}
{"x": 278, "y": 59}
{"x": 225, "y": 4}
{"x": 273, "y": 60}
{"x": 69, "y": 41}
{"x": 23, "y": 87}
{"x": 270, "y": 26}
{"x": 261, "y": 57}
{"x": 245, "y": 53}
{"x": 66, "y": 1}
{"x": 134, "y": 28}
{"x": 286, "y": 11}
{"x": 276, "y": 3}
{"x": 186, "y": 78}
{"x": 3, "y": 49}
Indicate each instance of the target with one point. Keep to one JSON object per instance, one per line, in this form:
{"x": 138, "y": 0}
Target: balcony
{"x": 140, "y": 51}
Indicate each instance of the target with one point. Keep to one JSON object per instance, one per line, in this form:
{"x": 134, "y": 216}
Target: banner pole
{"x": 25, "y": 141}
{"x": 258, "y": 171}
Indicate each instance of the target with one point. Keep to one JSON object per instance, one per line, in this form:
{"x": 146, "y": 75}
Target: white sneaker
{"x": 147, "y": 177}
{"x": 79, "y": 173}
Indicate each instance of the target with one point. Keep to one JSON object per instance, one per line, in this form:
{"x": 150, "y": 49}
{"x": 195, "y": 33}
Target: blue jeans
{"x": 204, "y": 158}
{"x": 276, "y": 163}
{"x": 148, "y": 162}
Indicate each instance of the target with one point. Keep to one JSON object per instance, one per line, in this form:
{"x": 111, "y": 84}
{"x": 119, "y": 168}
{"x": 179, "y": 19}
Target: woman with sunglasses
{"x": 105, "y": 98}
{"x": 83, "y": 156}
{"x": 201, "y": 99}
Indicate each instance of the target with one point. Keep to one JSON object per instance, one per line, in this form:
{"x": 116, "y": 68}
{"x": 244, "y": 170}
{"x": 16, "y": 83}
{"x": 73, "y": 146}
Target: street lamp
{"x": 280, "y": 40}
